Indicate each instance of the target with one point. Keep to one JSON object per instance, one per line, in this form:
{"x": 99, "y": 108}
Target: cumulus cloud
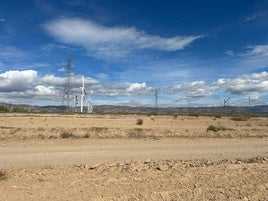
{"x": 256, "y": 82}
{"x": 17, "y": 80}
{"x": 121, "y": 89}
{"x": 53, "y": 80}
{"x": 28, "y": 85}
{"x": 197, "y": 89}
{"x": 43, "y": 90}
{"x": 111, "y": 42}
{"x": 136, "y": 86}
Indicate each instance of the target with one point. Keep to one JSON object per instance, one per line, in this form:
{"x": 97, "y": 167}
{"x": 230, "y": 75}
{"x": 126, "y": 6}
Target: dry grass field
{"x": 132, "y": 157}
{"x": 124, "y": 126}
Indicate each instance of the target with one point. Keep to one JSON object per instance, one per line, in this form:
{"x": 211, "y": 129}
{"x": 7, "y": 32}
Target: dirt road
{"x": 69, "y": 152}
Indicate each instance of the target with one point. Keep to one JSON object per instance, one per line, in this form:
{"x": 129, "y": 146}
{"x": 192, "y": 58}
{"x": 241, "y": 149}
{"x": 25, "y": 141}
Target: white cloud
{"x": 256, "y": 55}
{"x": 256, "y": 82}
{"x": 17, "y": 80}
{"x": 51, "y": 46}
{"x": 111, "y": 42}
{"x": 53, "y": 80}
{"x": 229, "y": 53}
{"x": 136, "y": 86}
{"x": 2, "y": 20}
{"x": 29, "y": 87}
{"x": 43, "y": 90}
{"x": 258, "y": 50}
{"x": 197, "y": 89}
{"x": 26, "y": 86}
{"x": 254, "y": 16}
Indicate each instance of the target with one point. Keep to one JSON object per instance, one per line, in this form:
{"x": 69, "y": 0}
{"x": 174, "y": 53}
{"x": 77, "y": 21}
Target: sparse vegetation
{"x": 215, "y": 128}
{"x": 249, "y": 125}
{"x": 136, "y": 133}
{"x": 139, "y": 122}
{"x": 98, "y": 129}
{"x": 14, "y": 131}
{"x": 86, "y": 136}
{"x": 40, "y": 136}
{"x": 3, "y": 175}
{"x": 19, "y": 109}
{"x": 66, "y": 134}
{"x": 195, "y": 115}
{"x": 3, "y": 108}
{"x": 241, "y": 117}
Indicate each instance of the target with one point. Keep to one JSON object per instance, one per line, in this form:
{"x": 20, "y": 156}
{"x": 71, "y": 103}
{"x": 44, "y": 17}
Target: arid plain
{"x": 132, "y": 157}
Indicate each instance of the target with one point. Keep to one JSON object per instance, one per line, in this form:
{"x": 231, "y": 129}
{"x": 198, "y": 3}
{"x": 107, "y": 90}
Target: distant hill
{"x": 256, "y": 110}
{"x": 111, "y": 109}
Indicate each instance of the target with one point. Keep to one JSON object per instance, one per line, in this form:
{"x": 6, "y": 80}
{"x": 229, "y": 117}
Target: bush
{"x": 215, "y": 128}
{"x": 86, "y": 136}
{"x": 2, "y": 175}
{"x": 212, "y": 128}
{"x": 66, "y": 134}
{"x": 195, "y": 114}
{"x": 139, "y": 122}
{"x": 241, "y": 118}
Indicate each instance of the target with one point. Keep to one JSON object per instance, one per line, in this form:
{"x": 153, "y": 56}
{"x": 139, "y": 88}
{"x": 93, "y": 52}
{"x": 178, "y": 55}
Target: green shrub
{"x": 241, "y": 117}
{"x": 2, "y": 175}
{"x": 66, "y": 134}
{"x": 215, "y": 128}
{"x": 3, "y": 108}
{"x": 19, "y": 109}
{"x": 139, "y": 122}
{"x": 86, "y": 136}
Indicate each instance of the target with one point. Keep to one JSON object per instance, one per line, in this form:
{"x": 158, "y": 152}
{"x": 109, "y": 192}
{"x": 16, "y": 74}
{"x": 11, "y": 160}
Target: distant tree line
{"x": 16, "y": 109}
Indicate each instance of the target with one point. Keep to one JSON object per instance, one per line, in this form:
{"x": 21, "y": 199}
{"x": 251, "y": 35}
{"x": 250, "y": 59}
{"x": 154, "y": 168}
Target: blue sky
{"x": 194, "y": 53}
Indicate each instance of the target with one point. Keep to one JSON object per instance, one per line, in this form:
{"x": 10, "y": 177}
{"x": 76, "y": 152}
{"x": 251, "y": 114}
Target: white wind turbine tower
{"x": 85, "y": 99}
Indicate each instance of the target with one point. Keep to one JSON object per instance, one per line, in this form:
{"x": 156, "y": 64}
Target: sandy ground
{"x": 110, "y": 157}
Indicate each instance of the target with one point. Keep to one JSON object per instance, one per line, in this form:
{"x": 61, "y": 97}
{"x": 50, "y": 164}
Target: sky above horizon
{"x": 194, "y": 53}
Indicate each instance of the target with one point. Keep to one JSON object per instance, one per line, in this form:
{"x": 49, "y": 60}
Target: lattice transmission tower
{"x": 67, "y": 93}
{"x": 156, "y": 101}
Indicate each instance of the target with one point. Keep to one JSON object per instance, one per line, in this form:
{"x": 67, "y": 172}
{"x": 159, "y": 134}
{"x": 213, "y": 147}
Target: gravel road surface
{"x": 69, "y": 152}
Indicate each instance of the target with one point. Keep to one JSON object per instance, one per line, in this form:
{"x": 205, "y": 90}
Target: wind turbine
{"x": 83, "y": 92}
{"x": 85, "y": 98}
